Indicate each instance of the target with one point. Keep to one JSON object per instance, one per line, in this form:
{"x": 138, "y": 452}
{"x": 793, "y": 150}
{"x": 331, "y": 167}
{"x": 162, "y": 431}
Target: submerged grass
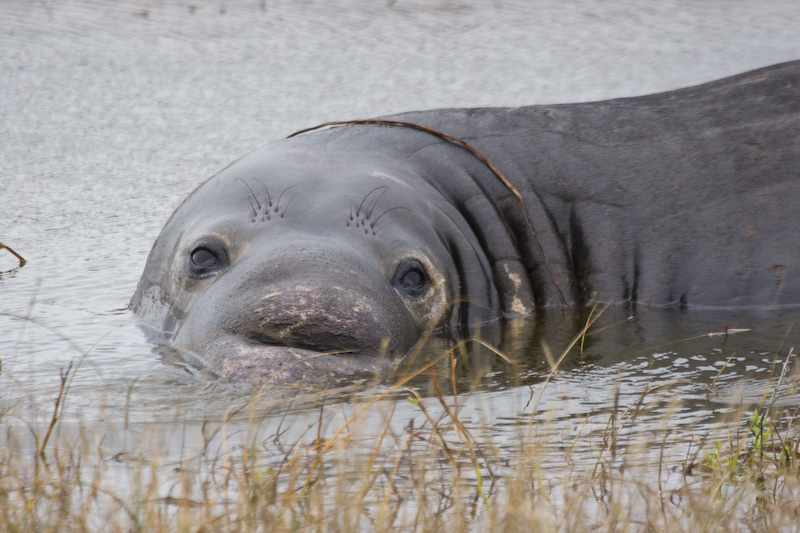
{"x": 408, "y": 460}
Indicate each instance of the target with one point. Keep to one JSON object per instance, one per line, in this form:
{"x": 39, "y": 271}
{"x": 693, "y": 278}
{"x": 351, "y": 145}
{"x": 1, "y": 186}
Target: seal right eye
{"x": 410, "y": 279}
{"x": 207, "y": 258}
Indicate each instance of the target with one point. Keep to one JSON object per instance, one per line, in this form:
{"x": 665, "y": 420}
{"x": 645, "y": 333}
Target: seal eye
{"x": 410, "y": 279}
{"x": 208, "y": 257}
{"x": 204, "y": 258}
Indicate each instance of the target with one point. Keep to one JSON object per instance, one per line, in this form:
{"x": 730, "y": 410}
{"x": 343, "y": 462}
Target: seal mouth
{"x": 264, "y": 339}
{"x": 271, "y": 344}
{"x": 325, "y": 344}
{"x": 259, "y": 358}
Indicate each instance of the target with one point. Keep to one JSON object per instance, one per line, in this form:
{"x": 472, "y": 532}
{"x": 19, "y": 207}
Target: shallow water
{"x": 112, "y": 112}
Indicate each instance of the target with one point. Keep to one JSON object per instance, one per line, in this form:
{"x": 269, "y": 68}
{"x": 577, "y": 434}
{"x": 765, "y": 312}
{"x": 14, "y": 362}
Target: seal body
{"x": 340, "y": 249}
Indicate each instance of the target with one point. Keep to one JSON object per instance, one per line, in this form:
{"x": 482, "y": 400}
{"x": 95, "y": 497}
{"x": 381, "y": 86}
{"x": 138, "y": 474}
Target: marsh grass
{"x": 418, "y": 454}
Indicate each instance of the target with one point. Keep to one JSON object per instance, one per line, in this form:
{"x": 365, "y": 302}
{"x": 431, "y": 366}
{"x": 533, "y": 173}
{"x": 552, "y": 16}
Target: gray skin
{"x": 341, "y": 249}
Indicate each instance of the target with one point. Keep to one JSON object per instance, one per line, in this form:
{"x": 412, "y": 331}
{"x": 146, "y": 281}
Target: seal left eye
{"x": 207, "y": 258}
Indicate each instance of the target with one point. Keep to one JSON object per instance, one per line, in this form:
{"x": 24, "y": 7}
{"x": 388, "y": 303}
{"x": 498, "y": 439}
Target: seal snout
{"x": 318, "y": 318}
{"x": 314, "y": 296}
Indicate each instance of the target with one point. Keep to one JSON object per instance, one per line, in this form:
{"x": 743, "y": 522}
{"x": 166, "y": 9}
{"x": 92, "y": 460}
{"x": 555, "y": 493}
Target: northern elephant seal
{"x": 339, "y": 249}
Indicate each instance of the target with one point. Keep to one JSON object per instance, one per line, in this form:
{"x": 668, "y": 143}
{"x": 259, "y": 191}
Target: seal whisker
{"x": 374, "y": 222}
{"x": 252, "y": 198}
{"x": 289, "y": 201}
{"x": 267, "y": 197}
{"x": 361, "y": 205}
{"x": 278, "y": 203}
{"x": 351, "y": 217}
{"x": 378, "y": 199}
{"x": 389, "y": 211}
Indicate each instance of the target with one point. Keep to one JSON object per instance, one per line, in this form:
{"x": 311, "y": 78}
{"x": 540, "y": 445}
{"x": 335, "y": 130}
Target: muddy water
{"x": 112, "y": 112}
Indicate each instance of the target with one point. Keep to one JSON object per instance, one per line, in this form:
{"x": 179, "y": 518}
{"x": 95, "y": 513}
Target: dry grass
{"x": 368, "y": 464}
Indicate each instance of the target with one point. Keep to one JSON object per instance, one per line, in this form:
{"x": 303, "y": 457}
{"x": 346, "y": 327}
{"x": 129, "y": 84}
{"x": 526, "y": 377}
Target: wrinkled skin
{"x": 339, "y": 250}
